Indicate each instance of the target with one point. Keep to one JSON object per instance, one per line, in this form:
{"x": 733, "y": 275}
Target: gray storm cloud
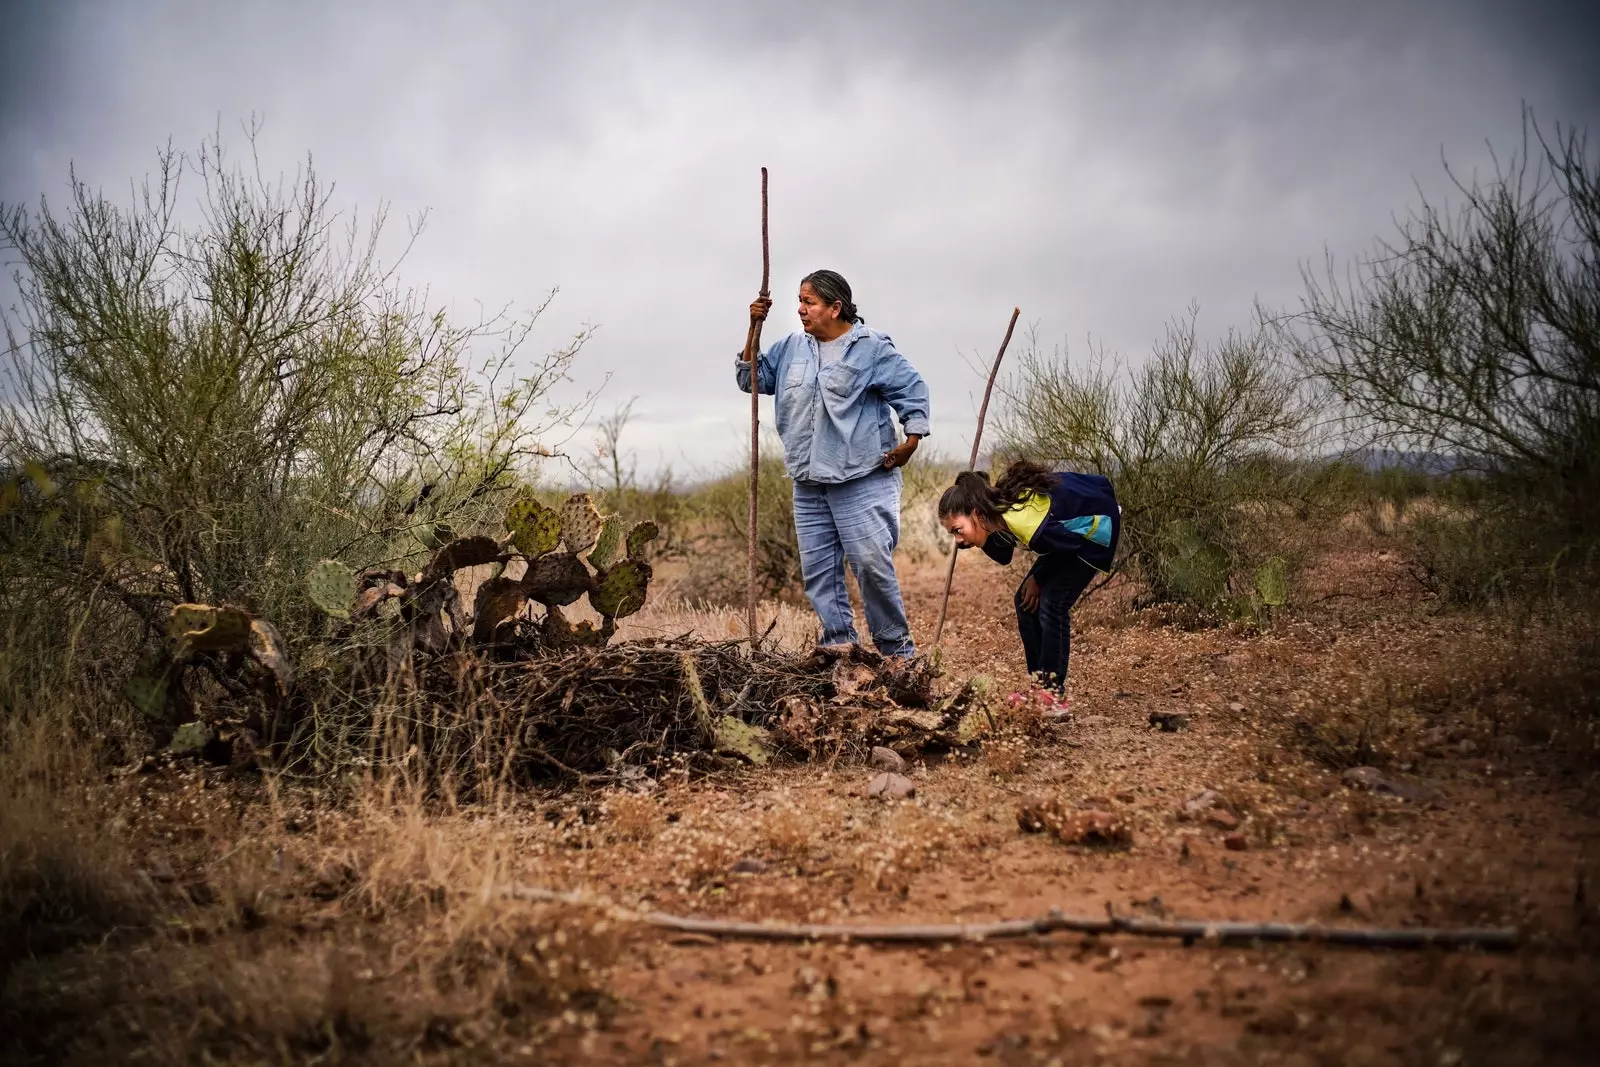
{"x": 1099, "y": 165}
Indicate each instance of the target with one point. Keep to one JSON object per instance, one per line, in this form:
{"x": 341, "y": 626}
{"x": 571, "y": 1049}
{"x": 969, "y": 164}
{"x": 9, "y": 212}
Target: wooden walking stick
{"x": 977, "y": 436}
{"x": 752, "y": 353}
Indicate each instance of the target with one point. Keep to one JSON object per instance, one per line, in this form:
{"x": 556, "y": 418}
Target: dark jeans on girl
{"x": 1047, "y": 631}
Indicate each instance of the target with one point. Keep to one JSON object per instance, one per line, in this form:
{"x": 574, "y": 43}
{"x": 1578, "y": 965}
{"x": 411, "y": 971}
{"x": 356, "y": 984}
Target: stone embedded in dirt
{"x": 1236, "y": 842}
{"x": 1169, "y": 722}
{"x": 1374, "y": 780}
{"x": 1073, "y": 827}
{"x": 887, "y": 759}
{"x": 1222, "y": 818}
{"x": 1093, "y": 720}
{"x": 891, "y": 786}
{"x": 750, "y": 865}
{"x": 1236, "y": 707}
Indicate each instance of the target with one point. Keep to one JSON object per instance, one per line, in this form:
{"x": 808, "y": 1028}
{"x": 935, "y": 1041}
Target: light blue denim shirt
{"x": 840, "y": 431}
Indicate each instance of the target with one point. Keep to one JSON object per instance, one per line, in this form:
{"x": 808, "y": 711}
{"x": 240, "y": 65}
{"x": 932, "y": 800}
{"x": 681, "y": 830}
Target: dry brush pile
{"x": 492, "y": 682}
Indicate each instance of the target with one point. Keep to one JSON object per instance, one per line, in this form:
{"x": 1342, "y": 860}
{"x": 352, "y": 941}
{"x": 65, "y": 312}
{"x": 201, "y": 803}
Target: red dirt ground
{"x": 1507, "y": 839}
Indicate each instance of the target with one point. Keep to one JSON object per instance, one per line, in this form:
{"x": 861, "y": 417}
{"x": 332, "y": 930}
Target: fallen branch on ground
{"x": 1052, "y": 922}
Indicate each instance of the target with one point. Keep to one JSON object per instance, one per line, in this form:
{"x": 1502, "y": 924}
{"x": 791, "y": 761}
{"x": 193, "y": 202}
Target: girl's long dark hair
{"x": 973, "y": 495}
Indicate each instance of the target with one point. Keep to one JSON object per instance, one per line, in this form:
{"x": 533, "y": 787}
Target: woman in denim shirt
{"x": 834, "y": 383}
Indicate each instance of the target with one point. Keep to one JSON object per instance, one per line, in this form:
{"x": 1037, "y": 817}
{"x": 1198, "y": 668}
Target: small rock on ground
{"x": 1169, "y": 721}
{"x": 887, "y": 759}
{"x": 891, "y": 786}
{"x": 1371, "y": 778}
{"x": 1222, "y": 818}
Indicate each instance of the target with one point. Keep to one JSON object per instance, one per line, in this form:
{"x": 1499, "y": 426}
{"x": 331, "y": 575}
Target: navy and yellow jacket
{"x": 1080, "y": 516}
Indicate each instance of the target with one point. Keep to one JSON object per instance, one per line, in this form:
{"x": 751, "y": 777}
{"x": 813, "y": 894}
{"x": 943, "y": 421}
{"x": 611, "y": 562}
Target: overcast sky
{"x": 1101, "y": 165}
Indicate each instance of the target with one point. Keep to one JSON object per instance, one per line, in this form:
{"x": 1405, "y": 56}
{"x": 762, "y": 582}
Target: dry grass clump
{"x": 632, "y": 816}
{"x": 913, "y": 839}
{"x": 1390, "y": 698}
{"x": 696, "y": 855}
{"x": 65, "y": 874}
{"x": 789, "y": 830}
{"x": 1011, "y": 731}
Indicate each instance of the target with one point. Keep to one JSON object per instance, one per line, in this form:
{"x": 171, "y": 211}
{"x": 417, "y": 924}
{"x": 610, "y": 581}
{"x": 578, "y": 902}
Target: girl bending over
{"x": 1071, "y": 520}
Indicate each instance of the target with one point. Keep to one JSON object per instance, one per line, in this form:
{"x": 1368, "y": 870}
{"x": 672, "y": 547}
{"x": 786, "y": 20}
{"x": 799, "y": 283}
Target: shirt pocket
{"x": 839, "y": 380}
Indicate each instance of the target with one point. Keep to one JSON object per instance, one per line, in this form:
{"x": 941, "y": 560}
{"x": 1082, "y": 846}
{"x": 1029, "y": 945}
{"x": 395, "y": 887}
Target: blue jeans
{"x": 857, "y": 521}
{"x": 1047, "y": 631}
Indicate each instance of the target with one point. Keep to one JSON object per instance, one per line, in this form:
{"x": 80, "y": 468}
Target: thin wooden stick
{"x": 977, "y": 436}
{"x": 1054, "y": 921}
{"x": 752, "y": 352}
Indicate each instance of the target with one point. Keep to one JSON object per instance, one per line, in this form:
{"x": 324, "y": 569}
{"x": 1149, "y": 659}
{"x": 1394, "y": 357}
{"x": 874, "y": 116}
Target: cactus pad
{"x": 498, "y": 600}
{"x": 201, "y": 627}
{"x": 332, "y": 587}
{"x": 267, "y": 649}
{"x": 640, "y": 536}
{"x": 190, "y": 739}
{"x": 148, "y": 694}
{"x": 739, "y": 738}
{"x": 535, "y": 529}
{"x": 462, "y": 552}
{"x": 580, "y": 524}
{"x": 605, "y": 549}
{"x": 622, "y": 589}
{"x": 557, "y": 579}
{"x": 1272, "y": 582}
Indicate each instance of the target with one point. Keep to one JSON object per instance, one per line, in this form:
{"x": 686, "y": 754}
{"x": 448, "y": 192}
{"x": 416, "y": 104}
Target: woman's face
{"x": 816, "y": 316}
{"x": 968, "y": 530}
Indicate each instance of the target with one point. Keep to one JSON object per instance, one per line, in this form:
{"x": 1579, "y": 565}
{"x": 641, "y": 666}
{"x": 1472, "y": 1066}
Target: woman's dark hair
{"x": 833, "y": 289}
{"x": 973, "y": 495}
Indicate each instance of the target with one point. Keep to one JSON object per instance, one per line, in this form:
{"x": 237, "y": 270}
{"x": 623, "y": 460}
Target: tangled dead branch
{"x": 1054, "y": 921}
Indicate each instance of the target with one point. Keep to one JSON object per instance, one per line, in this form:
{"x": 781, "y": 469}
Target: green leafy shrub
{"x": 1208, "y": 446}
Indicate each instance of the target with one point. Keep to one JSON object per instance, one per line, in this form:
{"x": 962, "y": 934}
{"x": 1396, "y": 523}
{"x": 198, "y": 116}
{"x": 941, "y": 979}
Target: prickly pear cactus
{"x": 640, "y": 537}
{"x": 148, "y": 694}
{"x": 622, "y": 589}
{"x": 202, "y": 628}
{"x": 557, "y": 579}
{"x": 462, "y": 552}
{"x": 190, "y": 739}
{"x": 535, "y": 529}
{"x": 605, "y": 549}
{"x": 332, "y": 587}
{"x": 499, "y": 600}
{"x": 268, "y": 649}
{"x": 580, "y": 524}
{"x": 1272, "y": 582}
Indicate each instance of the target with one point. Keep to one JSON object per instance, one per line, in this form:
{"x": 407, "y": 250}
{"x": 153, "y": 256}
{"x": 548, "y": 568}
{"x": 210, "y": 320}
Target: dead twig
{"x": 752, "y": 353}
{"x": 1054, "y": 921}
{"x": 977, "y": 436}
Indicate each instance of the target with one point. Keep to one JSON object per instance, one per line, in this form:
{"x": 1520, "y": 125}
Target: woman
{"x": 1072, "y": 520}
{"x": 834, "y": 384}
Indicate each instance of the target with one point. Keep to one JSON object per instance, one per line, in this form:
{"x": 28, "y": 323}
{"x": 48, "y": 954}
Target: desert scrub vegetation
{"x": 201, "y": 405}
{"x": 1474, "y": 331}
{"x": 1212, "y": 451}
